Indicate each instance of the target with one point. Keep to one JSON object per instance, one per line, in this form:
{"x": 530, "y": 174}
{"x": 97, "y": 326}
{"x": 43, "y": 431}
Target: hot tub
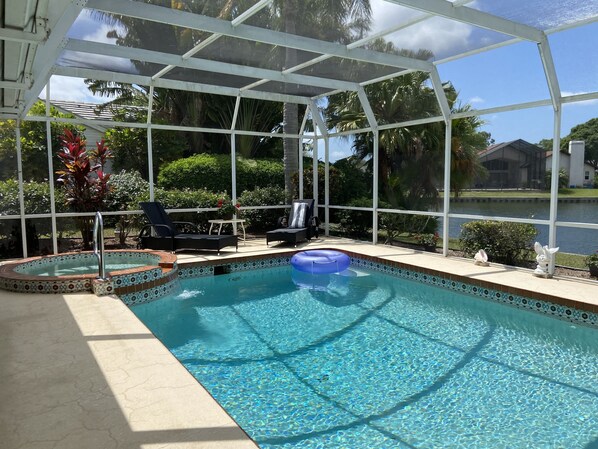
{"x": 76, "y": 272}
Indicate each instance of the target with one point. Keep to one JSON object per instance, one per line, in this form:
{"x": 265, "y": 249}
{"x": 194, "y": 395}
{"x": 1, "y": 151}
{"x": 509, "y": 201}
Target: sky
{"x": 498, "y": 77}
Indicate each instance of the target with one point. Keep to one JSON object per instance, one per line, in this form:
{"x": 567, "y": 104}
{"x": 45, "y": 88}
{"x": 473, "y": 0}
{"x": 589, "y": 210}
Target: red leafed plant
{"x": 83, "y": 178}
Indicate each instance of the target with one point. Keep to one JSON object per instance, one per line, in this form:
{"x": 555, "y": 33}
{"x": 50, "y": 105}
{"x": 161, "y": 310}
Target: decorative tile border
{"x": 157, "y": 291}
{"x": 553, "y": 306}
{"x": 523, "y": 302}
{"x": 14, "y": 276}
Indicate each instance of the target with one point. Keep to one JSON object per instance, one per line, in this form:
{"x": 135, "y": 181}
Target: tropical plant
{"x": 129, "y": 145}
{"x": 466, "y": 142}
{"x": 563, "y": 179}
{"x": 334, "y": 21}
{"x": 83, "y": 179}
{"x": 253, "y": 115}
{"x": 427, "y": 240}
{"x": 410, "y": 158}
{"x": 226, "y": 207}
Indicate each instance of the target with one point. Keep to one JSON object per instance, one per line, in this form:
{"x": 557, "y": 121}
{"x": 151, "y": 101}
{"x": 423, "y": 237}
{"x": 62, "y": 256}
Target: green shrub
{"x": 126, "y": 188}
{"x": 336, "y": 183}
{"x": 356, "y": 223}
{"x": 36, "y": 196}
{"x": 504, "y": 242}
{"x": 396, "y": 224}
{"x": 213, "y": 172}
{"x": 563, "y": 179}
{"x": 262, "y": 219}
{"x": 190, "y": 199}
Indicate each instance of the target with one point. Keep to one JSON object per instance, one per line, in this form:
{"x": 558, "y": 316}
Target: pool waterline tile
{"x": 562, "y": 308}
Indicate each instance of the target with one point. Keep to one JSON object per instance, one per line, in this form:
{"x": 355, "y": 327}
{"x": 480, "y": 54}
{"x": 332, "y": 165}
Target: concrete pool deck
{"x": 80, "y": 371}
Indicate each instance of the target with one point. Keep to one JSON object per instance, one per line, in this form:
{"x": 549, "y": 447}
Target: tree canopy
{"x": 34, "y": 144}
{"x": 588, "y": 132}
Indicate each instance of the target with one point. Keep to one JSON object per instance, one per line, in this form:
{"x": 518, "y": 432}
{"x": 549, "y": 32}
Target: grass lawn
{"x": 563, "y": 193}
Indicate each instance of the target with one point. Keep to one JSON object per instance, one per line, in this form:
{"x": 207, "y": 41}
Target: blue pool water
{"x": 372, "y": 361}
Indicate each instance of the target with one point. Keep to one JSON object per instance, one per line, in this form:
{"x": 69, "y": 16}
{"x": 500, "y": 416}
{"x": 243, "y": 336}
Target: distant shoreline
{"x": 503, "y": 199}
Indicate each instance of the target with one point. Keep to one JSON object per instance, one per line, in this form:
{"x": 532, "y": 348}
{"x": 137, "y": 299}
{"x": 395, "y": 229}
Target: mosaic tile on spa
{"x": 150, "y": 294}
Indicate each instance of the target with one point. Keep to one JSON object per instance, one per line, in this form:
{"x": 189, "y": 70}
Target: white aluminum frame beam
{"x": 178, "y": 85}
{"x": 25, "y": 37}
{"x": 474, "y": 17}
{"x": 214, "y": 37}
{"x": 440, "y": 94}
{"x": 218, "y": 26}
{"x": 48, "y": 52}
{"x": 206, "y": 65}
{"x": 550, "y": 71}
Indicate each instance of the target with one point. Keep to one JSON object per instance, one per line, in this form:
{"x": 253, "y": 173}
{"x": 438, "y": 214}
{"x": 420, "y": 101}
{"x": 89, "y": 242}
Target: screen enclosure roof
{"x": 266, "y": 49}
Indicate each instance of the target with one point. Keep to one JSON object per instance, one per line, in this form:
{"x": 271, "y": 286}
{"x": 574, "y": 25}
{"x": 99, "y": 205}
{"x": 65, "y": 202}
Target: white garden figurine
{"x": 544, "y": 258}
{"x": 481, "y": 258}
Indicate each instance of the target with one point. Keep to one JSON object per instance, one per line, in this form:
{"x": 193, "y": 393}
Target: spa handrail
{"x": 98, "y": 240}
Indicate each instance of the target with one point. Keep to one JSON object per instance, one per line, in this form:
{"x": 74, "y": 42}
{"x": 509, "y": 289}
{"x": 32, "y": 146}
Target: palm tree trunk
{"x": 290, "y": 124}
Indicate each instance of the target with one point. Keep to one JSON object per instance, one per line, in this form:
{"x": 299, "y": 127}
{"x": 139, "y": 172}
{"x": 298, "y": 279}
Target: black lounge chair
{"x": 300, "y": 226}
{"x": 164, "y": 234}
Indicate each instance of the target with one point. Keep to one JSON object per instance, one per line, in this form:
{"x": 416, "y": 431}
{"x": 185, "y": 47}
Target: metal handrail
{"x": 98, "y": 238}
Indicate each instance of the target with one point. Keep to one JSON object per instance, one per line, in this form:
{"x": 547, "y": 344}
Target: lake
{"x": 570, "y": 240}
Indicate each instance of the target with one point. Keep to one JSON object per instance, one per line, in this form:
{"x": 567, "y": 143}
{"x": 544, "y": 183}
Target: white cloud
{"x": 70, "y": 89}
{"x": 476, "y": 100}
{"x": 386, "y": 15}
{"x": 441, "y": 36}
{"x": 90, "y": 28}
{"x": 444, "y": 37}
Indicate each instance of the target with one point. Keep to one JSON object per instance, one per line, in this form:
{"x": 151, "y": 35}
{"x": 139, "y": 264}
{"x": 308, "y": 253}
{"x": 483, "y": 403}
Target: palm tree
{"x": 410, "y": 159}
{"x": 170, "y": 105}
{"x": 466, "y": 143}
{"x": 335, "y": 21}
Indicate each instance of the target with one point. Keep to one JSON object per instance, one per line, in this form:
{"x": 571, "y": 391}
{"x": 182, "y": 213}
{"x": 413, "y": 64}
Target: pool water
{"x": 85, "y": 266}
{"x": 374, "y": 361}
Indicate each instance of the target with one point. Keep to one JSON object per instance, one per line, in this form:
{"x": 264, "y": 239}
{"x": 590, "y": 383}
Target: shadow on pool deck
{"x": 81, "y": 372}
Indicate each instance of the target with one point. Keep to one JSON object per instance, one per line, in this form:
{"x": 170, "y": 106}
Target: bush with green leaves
{"x": 213, "y": 172}
{"x": 396, "y": 224}
{"x": 356, "y": 223}
{"x": 37, "y": 201}
{"x": 189, "y": 199}
{"x": 262, "y": 219}
{"x": 563, "y": 179}
{"x": 504, "y": 242}
{"x": 36, "y": 196}
{"x": 126, "y": 188}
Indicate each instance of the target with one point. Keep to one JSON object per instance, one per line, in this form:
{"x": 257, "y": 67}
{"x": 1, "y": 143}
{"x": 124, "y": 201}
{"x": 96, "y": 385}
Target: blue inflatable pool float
{"x": 320, "y": 261}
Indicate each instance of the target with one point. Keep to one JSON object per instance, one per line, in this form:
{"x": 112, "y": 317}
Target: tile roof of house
{"x": 87, "y": 111}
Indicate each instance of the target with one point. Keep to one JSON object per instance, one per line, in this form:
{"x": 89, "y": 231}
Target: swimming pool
{"x": 375, "y": 361}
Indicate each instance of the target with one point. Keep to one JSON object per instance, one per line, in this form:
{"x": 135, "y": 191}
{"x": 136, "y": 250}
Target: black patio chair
{"x": 164, "y": 234}
{"x": 301, "y": 224}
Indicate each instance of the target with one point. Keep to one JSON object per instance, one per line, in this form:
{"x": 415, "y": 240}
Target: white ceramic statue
{"x": 481, "y": 258}
{"x": 544, "y": 258}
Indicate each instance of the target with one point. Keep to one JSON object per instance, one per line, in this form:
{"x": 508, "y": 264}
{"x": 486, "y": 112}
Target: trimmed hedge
{"x": 504, "y": 242}
{"x": 213, "y": 172}
{"x": 36, "y": 196}
{"x": 262, "y": 219}
{"x": 190, "y": 199}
